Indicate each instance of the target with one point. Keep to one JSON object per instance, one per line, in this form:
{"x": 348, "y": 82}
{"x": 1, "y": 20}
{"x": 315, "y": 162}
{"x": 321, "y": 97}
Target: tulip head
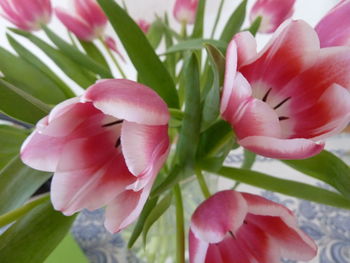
{"x": 105, "y": 149}
{"x": 273, "y": 13}
{"x": 185, "y": 11}
{"x": 239, "y": 227}
{"x": 28, "y": 15}
{"x": 283, "y": 101}
{"x": 89, "y": 21}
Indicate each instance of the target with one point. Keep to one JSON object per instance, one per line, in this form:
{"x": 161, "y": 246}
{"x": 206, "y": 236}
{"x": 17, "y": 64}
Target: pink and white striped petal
{"x": 126, "y": 99}
{"x": 209, "y": 224}
{"x": 281, "y": 148}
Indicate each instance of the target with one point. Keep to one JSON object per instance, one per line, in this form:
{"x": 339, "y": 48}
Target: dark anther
{"x": 266, "y": 95}
{"x": 232, "y": 235}
{"x": 281, "y": 103}
{"x": 282, "y": 118}
{"x": 112, "y": 123}
{"x": 245, "y": 222}
{"x": 117, "y": 143}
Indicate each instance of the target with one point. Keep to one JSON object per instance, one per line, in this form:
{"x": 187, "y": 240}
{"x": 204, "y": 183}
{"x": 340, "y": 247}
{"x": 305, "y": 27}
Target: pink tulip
{"x": 234, "y": 227}
{"x": 105, "y": 149}
{"x": 273, "y": 13}
{"x": 28, "y": 15}
{"x": 144, "y": 25}
{"x": 334, "y": 28}
{"x": 185, "y": 11}
{"x": 89, "y": 21}
{"x": 283, "y": 100}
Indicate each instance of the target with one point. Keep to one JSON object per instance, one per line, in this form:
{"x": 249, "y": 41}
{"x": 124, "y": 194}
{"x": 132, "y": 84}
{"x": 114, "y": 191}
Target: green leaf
{"x": 33, "y": 237}
{"x": 11, "y": 139}
{"x": 287, "y": 187}
{"x": 68, "y": 66}
{"x": 21, "y": 105}
{"x": 234, "y": 23}
{"x": 155, "y": 214}
{"x": 325, "y": 167}
{"x": 254, "y": 27}
{"x": 67, "y": 251}
{"x": 196, "y": 44}
{"x": 17, "y": 183}
{"x": 36, "y": 62}
{"x": 150, "y": 204}
{"x": 189, "y": 134}
{"x": 249, "y": 159}
{"x": 28, "y": 78}
{"x": 155, "y": 33}
{"x": 198, "y": 24}
{"x": 148, "y": 65}
{"x": 211, "y": 106}
{"x": 93, "y": 52}
{"x": 77, "y": 56}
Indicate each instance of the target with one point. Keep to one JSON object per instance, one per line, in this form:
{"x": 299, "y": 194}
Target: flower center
{"x": 113, "y": 123}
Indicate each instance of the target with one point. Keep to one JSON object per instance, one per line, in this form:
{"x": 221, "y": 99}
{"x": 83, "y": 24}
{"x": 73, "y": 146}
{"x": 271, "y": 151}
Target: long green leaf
{"x": 234, "y": 23}
{"x": 150, "y": 204}
{"x": 326, "y": 167}
{"x": 33, "y": 237}
{"x": 17, "y": 183}
{"x": 11, "y": 139}
{"x": 287, "y": 187}
{"x": 28, "y": 56}
{"x": 92, "y": 51}
{"x": 21, "y": 105}
{"x": 68, "y": 66}
{"x": 149, "y": 67}
{"x": 155, "y": 214}
{"x": 198, "y": 24}
{"x": 28, "y": 78}
{"x": 196, "y": 44}
{"x": 77, "y": 56}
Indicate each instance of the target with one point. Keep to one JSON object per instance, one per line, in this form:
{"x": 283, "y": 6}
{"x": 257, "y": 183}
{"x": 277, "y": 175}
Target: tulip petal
{"x": 329, "y": 115}
{"x": 197, "y": 249}
{"x": 291, "y": 51}
{"x": 281, "y": 148}
{"x": 76, "y": 25}
{"x": 256, "y": 118}
{"x": 209, "y": 224}
{"x": 91, "y": 12}
{"x": 334, "y": 28}
{"x": 42, "y": 152}
{"x": 139, "y": 145}
{"x": 281, "y": 225}
{"x": 246, "y": 47}
{"x": 90, "y": 188}
{"x": 125, "y": 99}
{"x": 125, "y": 208}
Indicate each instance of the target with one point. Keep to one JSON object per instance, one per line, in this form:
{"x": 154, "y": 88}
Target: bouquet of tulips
{"x": 131, "y": 144}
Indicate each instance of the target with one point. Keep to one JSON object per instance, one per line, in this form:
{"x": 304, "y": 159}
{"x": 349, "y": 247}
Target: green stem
{"x": 17, "y": 213}
{"x": 217, "y": 18}
{"x": 183, "y": 33}
{"x": 180, "y": 231}
{"x": 202, "y": 183}
{"x": 176, "y": 113}
{"x": 110, "y": 54}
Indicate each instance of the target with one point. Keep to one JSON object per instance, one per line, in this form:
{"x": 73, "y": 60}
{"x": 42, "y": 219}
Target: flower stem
{"x": 217, "y": 18}
{"x": 110, "y": 54}
{"x": 183, "y": 32}
{"x": 17, "y": 213}
{"x": 180, "y": 231}
{"x": 202, "y": 183}
{"x": 71, "y": 38}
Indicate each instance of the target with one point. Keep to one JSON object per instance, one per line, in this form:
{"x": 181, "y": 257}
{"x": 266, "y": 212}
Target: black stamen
{"x": 282, "y": 118}
{"x": 266, "y": 95}
{"x": 245, "y": 222}
{"x": 117, "y": 143}
{"x": 281, "y": 103}
{"x": 112, "y": 123}
{"x": 232, "y": 235}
